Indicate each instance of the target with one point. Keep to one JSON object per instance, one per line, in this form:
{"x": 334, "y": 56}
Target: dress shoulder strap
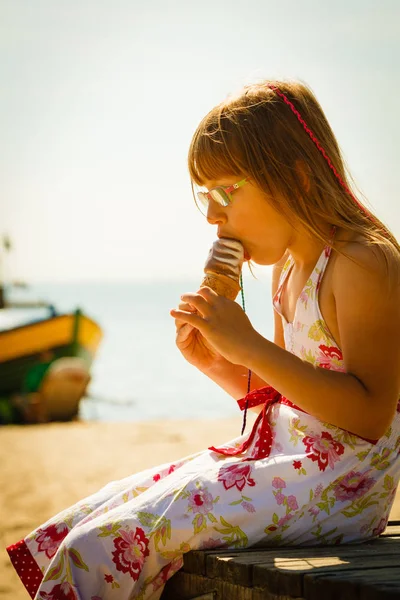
{"x": 284, "y": 273}
{"x": 323, "y": 260}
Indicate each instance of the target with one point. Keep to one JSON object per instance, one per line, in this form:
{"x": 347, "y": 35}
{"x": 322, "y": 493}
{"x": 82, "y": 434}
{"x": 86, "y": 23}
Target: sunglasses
{"x": 221, "y": 195}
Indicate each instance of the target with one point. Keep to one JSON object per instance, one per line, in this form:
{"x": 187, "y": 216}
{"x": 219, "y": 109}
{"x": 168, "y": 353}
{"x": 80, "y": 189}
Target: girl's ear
{"x": 303, "y": 172}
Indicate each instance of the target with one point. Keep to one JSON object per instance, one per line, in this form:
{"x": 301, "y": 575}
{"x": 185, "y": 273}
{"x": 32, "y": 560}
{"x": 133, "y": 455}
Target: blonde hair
{"x": 257, "y": 133}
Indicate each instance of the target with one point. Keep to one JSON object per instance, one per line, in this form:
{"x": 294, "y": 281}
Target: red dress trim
{"x": 267, "y": 396}
{"x": 26, "y": 567}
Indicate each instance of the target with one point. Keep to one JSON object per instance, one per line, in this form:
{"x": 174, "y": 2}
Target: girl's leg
{"x": 138, "y": 546}
{"x": 39, "y": 548}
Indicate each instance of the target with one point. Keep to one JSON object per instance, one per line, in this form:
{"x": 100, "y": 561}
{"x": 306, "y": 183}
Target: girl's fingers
{"x": 183, "y": 331}
{"x": 187, "y": 317}
{"x": 186, "y": 306}
{"x": 198, "y": 302}
{"x": 179, "y": 324}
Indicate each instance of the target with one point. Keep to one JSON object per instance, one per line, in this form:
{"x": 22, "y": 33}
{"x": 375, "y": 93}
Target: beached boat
{"x": 28, "y": 350}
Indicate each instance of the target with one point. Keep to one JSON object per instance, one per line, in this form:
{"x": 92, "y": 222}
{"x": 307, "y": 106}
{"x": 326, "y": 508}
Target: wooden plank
{"x": 392, "y": 529}
{"x": 185, "y": 586}
{"x": 283, "y": 570}
{"x": 355, "y": 586}
{"x": 288, "y": 577}
{"x": 238, "y": 567}
{"x": 195, "y": 561}
{"x": 385, "y": 591}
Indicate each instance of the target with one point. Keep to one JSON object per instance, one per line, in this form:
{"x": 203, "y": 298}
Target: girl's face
{"x": 250, "y": 218}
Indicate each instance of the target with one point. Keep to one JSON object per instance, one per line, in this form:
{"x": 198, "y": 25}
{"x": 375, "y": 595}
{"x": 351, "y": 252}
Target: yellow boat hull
{"x": 23, "y": 347}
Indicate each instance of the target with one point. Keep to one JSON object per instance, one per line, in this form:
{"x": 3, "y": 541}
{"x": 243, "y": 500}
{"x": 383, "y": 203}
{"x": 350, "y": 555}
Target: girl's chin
{"x": 260, "y": 260}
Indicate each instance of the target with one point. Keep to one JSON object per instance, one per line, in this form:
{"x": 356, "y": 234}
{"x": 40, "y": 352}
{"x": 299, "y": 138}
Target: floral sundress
{"x": 292, "y": 480}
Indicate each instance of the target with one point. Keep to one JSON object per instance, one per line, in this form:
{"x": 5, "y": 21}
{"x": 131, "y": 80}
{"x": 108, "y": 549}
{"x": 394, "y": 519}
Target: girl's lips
{"x": 246, "y": 255}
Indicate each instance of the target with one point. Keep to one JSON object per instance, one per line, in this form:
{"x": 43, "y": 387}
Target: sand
{"x": 46, "y": 468}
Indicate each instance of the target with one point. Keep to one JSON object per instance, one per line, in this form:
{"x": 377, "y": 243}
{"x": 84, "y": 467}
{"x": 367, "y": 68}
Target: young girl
{"x": 320, "y": 464}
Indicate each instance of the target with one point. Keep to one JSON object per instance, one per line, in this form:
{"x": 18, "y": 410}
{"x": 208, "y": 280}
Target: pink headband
{"x": 317, "y": 143}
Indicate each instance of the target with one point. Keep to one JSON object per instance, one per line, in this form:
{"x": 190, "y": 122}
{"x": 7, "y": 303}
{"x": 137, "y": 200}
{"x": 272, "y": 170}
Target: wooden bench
{"x": 368, "y": 571}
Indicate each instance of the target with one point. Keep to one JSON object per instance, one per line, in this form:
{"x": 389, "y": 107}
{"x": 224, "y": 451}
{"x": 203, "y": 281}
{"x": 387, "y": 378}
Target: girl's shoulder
{"x": 358, "y": 257}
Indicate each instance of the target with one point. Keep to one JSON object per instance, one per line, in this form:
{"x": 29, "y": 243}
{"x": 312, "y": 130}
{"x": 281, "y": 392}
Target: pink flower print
{"x": 210, "y": 544}
{"x": 255, "y": 449}
{"x": 323, "y": 449}
{"x": 249, "y": 507}
{"x": 292, "y": 502}
{"x": 318, "y": 490}
{"x": 381, "y": 527}
{"x": 61, "y": 591}
{"x": 236, "y": 475}
{"x": 276, "y": 445}
{"x": 330, "y": 358}
{"x": 280, "y": 498}
{"x": 278, "y": 483}
{"x": 49, "y": 539}
{"x": 297, "y": 464}
{"x": 353, "y": 485}
{"x": 108, "y": 578}
{"x": 131, "y": 550}
{"x": 166, "y": 572}
{"x": 164, "y": 473}
{"x": 284, "y": 520}
{"x": 160, "y": 579}
{"x": 201, "y": 501}
{"x": 303, "y": 298}
{"x": 314, "y": 510}
{"x": 398, "y": 406}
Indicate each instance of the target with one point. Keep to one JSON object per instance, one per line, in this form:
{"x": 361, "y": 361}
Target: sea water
{"x": 138, "y": 373}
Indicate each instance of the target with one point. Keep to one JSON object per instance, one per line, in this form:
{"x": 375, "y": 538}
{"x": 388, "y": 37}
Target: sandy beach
{"x": 46, "y": 468}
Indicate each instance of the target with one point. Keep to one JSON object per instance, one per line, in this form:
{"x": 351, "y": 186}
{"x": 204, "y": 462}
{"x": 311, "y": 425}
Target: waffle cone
{"x": 221, "y": 284}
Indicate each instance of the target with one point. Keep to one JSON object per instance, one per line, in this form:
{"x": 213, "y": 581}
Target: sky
{"x": 100, "y": 99}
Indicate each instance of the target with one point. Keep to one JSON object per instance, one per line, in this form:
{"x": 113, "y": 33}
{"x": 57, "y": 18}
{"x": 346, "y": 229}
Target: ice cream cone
{"x": 223, "y": 267}
{"x": 221, "y": 284}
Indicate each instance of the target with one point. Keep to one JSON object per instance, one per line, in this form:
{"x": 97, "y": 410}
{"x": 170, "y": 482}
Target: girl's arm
{"x": 363, "y": 399}
{"x": 234, "y": 380}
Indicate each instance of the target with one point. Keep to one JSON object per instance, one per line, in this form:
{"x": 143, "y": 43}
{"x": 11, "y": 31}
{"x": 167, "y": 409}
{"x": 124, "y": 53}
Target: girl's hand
{"x": 221, "y": 324}
{"x": 192, "y": 344}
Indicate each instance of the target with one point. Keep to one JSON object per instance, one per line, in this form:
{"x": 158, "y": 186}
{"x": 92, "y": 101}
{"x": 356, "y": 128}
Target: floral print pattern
{"x": 319, "y": 485}
{"x": 61, "y": 591}
{"x": 200, "y": 501}
{"x": 353, "y": 485}
{"x": 131, "y": 550}
{"x": 323, "y": 449}
{"x": 236, "y": 475}
{"x": 49, "y": 539}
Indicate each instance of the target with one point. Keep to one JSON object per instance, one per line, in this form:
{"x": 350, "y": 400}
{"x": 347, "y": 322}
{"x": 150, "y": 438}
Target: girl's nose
{"x": 215, "y": 213}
